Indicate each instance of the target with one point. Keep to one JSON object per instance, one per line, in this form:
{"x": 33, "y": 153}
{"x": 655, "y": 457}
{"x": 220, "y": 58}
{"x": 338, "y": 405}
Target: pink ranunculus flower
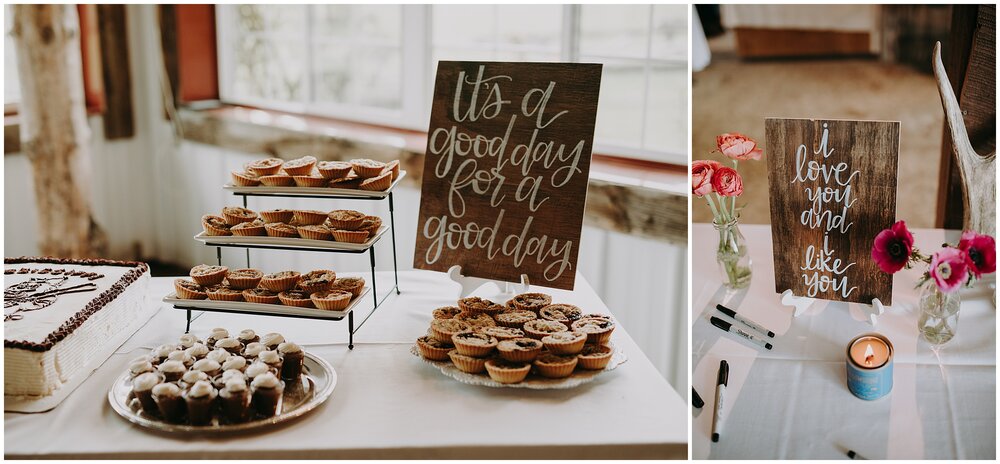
{"x": 949, "y": 269}
{"x": 738, "y": 147}
{"x": 892, "y": 248}
{"x": 701, "y": 176}
{"x": 727, "y": 182}
{"x": 980, "y": 251}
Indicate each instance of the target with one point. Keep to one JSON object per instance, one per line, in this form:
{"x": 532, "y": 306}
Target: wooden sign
{"x": 506, "y": 169}
{"x": 833, "y": 189}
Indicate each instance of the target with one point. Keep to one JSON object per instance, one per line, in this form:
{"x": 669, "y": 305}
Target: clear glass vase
{"x": 732, "y": 256}
{"x": 938, "y": 318}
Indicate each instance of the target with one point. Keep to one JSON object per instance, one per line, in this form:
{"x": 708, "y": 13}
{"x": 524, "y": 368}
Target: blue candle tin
{"x": 869, "y": 382}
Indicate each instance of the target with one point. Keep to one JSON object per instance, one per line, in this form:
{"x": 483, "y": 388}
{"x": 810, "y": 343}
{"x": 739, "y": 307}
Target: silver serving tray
{"x": 317, "y": 383}
{"x": 265, "y": 309}
{"x": 532, "y": 382}
{"x": 289, "y": 241}
{"x": 312, "y": 191}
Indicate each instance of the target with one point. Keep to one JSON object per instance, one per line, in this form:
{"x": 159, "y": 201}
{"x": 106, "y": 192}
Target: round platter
{"x": 533, "y": 382}
{"x": 317, "y": 383}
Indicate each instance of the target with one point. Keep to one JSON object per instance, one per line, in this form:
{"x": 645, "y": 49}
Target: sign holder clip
{"x": 800, "y": 303}
{"x": 469, "y": 284}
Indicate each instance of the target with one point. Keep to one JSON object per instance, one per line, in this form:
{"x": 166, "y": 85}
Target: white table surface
{"x": 387, "y": 403}
{"x": 793, "y": 402}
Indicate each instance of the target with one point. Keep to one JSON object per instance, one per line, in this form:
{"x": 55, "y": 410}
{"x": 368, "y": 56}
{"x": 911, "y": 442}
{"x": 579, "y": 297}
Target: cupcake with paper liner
{"x": 598, "y": 330}
{"x": 317, "y": 281}
{"x": 219, "y": 356}
{"x": 594, "y": 357}
{"x": 353, "y": 285}
{"x": 507, "y": 372}
{"x": 169, "y": 401}
{"x": 242, "y": 279}
{"x": 367, "y": 168}
{"x": 299, "y": 166}
{"x": 247, "y": 336}
{"x": 296, "y": 298}
{"x": 142, "y": 389}
{"x": 308, "y": 217}
{"x": 236, "y": 214}
{"x": 331, "y": 300}
{"x": 230, "y": 344}
{"x": 371, "y": 224}
{"x": 198, "y": 351}
{"x": 469, "y": 364}
{"x": 349, "y": 236}
{"x": 474, "y": 344}
{"x": 555, "y": 366}
{"x": 292, "y": 358}
{"x": 446, "y": 312}
{"x": 565, "y": 342}
{"x": 234, "y": 399}
{"x": 540, "y": 328}
{"x": 272, "y": 340}
{"x": 245, "y": 179}
{"x": 277, "y": 180}
{"x": 267, "y": 390}
{"x": 238, "y": 363}
{"x": 277, "y": 215}
{"x": 350, "y": 182}
{"x": 172, "y": 370}
{"x": 209, "y": 367}
{"x": 564, "y": 313}
{"x": 280, "y": 229}
{"x": 252, "y": 350}
{"x": 254, "y": 228}
{"x": 501, "y": 333}
{"x": 188, "y": 290}
{"x": 182, "y": 357}
{"x": 206, "y": 275}
{"x": 215, "y": 225}
{"x": 265, "y": 167}
{"x": 444, "y": 329}
{"x": 200, "y": 399}
{"x": 379, "y": 183}
{"x": 333, "y": 169}
{"x": 520, "y": 349}
{"x": 315, "y": 232}
{"x": 434, "y": 349}
{"x": 280, "y": 281}
{"x": 272, "y": 359}
{"x": 224, "y": 292}
{"x": 531, "y": 301}
{"x": 311, "y": 180}
{"x": 475, "y": 320}
{"x": 190, "y": 378}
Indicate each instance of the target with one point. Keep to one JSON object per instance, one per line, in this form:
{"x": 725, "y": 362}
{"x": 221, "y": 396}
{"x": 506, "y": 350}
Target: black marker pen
{"x": 728, "y": 327}
{"x": 742, "y": 320}
{"x": 720, "y": 390}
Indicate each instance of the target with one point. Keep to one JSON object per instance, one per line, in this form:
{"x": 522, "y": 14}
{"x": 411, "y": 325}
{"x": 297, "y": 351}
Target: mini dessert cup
{"x": 242, "y": 279}
{"x": 594, "y": 357}
{"x": 260, "y": 295}
{"x": 277, "y": 180}
{"x": 446, "y": 312}
{"x": 331, "y": 300}
{"x": 280, "y": 229}
{"x": 257, "y": 368}
{"x": 292, "y": 360}
{"x": 334, "y": 169}
{"x": 235, "y": 363}
{"x": 474, "y": 304}
{"x": 300, "y": 166}
{"x": 218, "y": 355}
{"x": 230, "y": 344}
{"x": 540, "y": 328}
{"x": 367, "y": 168}
{"x": 310, "y": 181}
{"x": 140, "y": 367}
{"x": 247, "y": 336}
{"x": 224, "y": 292}
{"x": 295, "y": 298}
{"x": 475, "y": 320}
{"x": 345, "y": 219}
{"x": 598, "y": 330}
{"x": 197, "y": 351}
{"x": 565, "y": 342}
{"x": 515, "y": 318}
{"x": 219, "y": 381}
{"x": 317, "y": 281}
{"x": 235, "y": 215}
{"x": 200, "y": 399}
{"x": 354, "y": 285}
{"x": 214, "y": 225}
{"x": 187, "y": 340}
{"x": 444, "y": 329}
{"x": 210, "y": 367}
{"x": 188, "y": 290}
{"x": 555, "y": 366}
{"x": 469, "y": 364}
{"x": 379, "y": 183}
{"x": 169, "y": 402}
{"x": 315, "y": 232}
{"x": 142, "y": 388}
{"x": 504, "y": 371}
{"x": 190, "y": 378}
{"x": 501, "y": 333}
{"x": 520, "y": 349}
{"x": 234, "y": 398}
{"x": 352, "y": 181}
{"x": 172, "y": 370}
{"x": 350, "y": 236}
{"x": 280, "y": 281}
{"x": 434, "y": 349}
{"x": 267, "y": 391}
{"x": 272, "y": 340}
{"x": 182, "y": 356}
{"x": 265, "y": 167}
{"x": 277, "y": 215}
{"x": 254, "y": 228}
{"x": 206, "y": 275}
{"x": 474, "y": 344}
{"x": 565, "y": 313}
{"x": 215, "y": 335}
{"x": 272, "y": 359}
{"x": 245, "y": 179}
{"x": 532, "y": 301}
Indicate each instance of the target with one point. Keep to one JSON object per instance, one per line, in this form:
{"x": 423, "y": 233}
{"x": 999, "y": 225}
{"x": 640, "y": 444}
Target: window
{"x": 376, "y": 63}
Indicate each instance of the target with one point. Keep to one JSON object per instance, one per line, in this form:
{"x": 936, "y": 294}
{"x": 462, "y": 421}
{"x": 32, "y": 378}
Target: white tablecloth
{"x": 793, "y": 402}
{"x": 387, "y": 403}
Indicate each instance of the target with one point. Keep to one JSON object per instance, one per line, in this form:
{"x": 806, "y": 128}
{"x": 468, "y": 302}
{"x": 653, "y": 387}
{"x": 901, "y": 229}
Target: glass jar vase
{"x": 938, "y": 317}
{"x": 734, "y": 261}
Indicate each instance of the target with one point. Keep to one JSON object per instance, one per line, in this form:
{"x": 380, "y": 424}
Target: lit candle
{"x": 869, "y": 352}
{"x": 869, "y": 366}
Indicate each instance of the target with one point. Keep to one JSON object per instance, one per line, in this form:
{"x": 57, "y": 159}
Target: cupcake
{"x": 247, "y": 336}
{"x": 254, "y": 228}
{"x": 434, "y": 349}
{"x": 300, "y": 166}
{"x": 468, "y": 364}
{"x": 215, "y": 335}
{"x": 242, "y": 279}
{"x": 206, "y": 275}
{"x": 190, "y": 378}
{"x": 280, "y": 281}
{"x": 308, "y": 217}
{"x": 371, "y": 224}
{"x": 594, "y": 357}
{"x": 169, "y": 402}
{"x": 540, "y": 328}
{"x": 331, "y": 300}
{"x": 555, "y": 366}
{"x": 234, "y": 399}
{"x": 443, "y": 329}
{"x": 379, "y": 183}
{"x": 367, "y": 168}
{"x": 172, "y": 370}
{"x": 475, "y": 320}
{"x": 244, "y": 179}
{"x": 474, "y": 344}
{"x": 142, "y": 388}
{"x": 230, "y": 344}
{"x": 317, "y": 281}
{"x": 265, "y": 167}
{"x": 515, "y": 318}
{"x": 186, "y": 341}
{"x": 209, "y": 367}
{"x": 598, "y": 330}
{"x": 292, "y": 360}
{"x": 182, "y": 357}
{"x": 349, "y": 182}
{"x": 354, "y": 285}
{"x": 188, "y": 290}
{"x": 504, "y": 371}
{"x": 160, "y": 353}
{"x": 280, "y": 229}
{"x": 252, "y": 350}
{"x": 532, "y": 301}
{"x": 197, "y": 351}
{"x": 311, "y": 180}
{"x": 200, "y": 399}
{"x": 139, "y": 367}
{"x": 277, "y": 180}
{"x": 474, "y": 304}
{"x": 349, "y": 236}
{"x": 564, "y": 313}
{"x": 235, "y": 215}
{"x": 272, "y": 359}
{"x": 565, "y": 342}
{"x": 295, "y": 298}
{"x": 224, "y": 292}
{"x": 257, "y": 369}
{"x": 214, "y": 225}
{"x": 219, "y": 356}
{"x": 446, "y": 312}
{"x": 345, "y": 219}
{"x": 267, "y": 391}
{"x": 315, "y": 232}
{"x": 277, "y": 215}
{"x": 334, "y": 169}
{"x": 501, "y": 333}
{"x": 237, "y": 363}
{"x": 219, "y": 381}
{"x": 520, "y": 349}
{"x": 272, "y": 340}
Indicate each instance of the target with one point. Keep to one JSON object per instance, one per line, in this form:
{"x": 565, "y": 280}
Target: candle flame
{"x": 869, "y": 354}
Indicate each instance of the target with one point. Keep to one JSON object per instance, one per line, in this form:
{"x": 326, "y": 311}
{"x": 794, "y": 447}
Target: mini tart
{"x": 540, "y": 328}
{"x": 345, "y": 219}
{"x": 299, "y": 166}
{"x": 334, "y": 169}
{"x": 214, "y": 225}
{"x": 280, "y": 229}
{"x": 243, "y": 279}
{"x": 501, "y": 333}
{"x": 474, "y": 304}
{"x": 371, "y": 224}
{"x": 280, "y": 281}
{"x": 367, "y": 168}
{"x": 393, "y": 169}
{"x": 188, "y": 290}
{"x": 434, "y": 349}
{"x": 565, "y": 313}
{"x": 474, "y": 344}
{"x": 224, "y": 293}
{"x": 446, "y": 312}
{"x": 310, "y": 181}
{"x": 443, "y": 329}
{"x": 277, "y": 215}
{"x": 308, "y": 217}
{"x": 350, "y": 236}
{"x": 515, "y": 318}
{"x": 531, "y": 301}
{"x": 468, "y": 364}
{"x": 379, "y": 183}
{"x": 598, "y": 330}
{"x": 504, "y": 371}
{"x": 352, "y": 181}
{"x": 277, "y": 180}
{"x": 235, "y": 215}
{"x": 354, "y": 285}
{"x": 245, "y": 179}
{"x": 260, "y": 295}
{"x": 314, "y": 232}
{"x": 248, "y": 229}
{"x": 265, "y": 167}
{"x": 555, "y": 366}
{"x": 295, "y": 298}
{"x": 520, "y": 349}
{"x": 594, "y": 357}
{"x": 207, "y": 275}
{"x": 565, "y": 342}
{"x": 317, "y": 281}
{"x": 475, "y": 320}
{"x": 331, "y": 300}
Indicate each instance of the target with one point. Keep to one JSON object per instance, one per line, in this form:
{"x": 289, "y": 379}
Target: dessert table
{"x": 387, "y": 403}
{"x": 793, "y": 402}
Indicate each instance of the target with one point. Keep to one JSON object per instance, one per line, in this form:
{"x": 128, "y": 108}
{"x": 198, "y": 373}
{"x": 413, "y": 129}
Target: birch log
{"x": 54, "y": 130}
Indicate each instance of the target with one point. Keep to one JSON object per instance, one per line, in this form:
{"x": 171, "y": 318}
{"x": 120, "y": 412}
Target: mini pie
{"x": 317, "y": 281}
{"x": 468, "y": 364}
{"x": 520, "y": 349}
{"x": 265, "y": 167}
{"x": 352, "y": 181}
{"x": 434, "y": 349}
{"x": 295, "y": 298}
{"x": 371, "y": 224}
{"x": 207, "y": 275}
{"x": 444, "y": 329}
{"x": 235, "y": 215}
{"x": 354, "y": 285}
{"x": 243, "y": 279}
{"x": 346, "y": 219}
{"x": 555, "y": 366}
{"x": 299, "y": 166}
{"x": 539, "y": 328}
{"x": 475, "y": 320}
{"x": 310, "y": 181}
{"x": 504, "y": 371}
{"x": 501, "y": 333}
{"x": 350, "y": 236}
{"x": 188, "y": 290}
{"x": 594, "y": 357}
{"x": 245, "y": 179}
{"x": 367, "y": 168}
{"x": 247, "y": 229}
{"x": 474, "y": 344}
{"x": 277, "y": 215}
{"x": 214, "y": 225}
{"x": 565, "y": 313}
{"x": 314, "y": 232}
{"x": 379, "y": 183}
{"x": 393, "y": 168}
{"x": 308, "y": 217}
{"x": 565, "y": 342}
{"x": 334, "y": 169}
{"x": 280, "y": 281}
{"x": 446, "y": 312}
{"x": 260, "y": 295}
{"x": 515, "y": 318}
{"x": 331, "y": 300}
{"x": 598, "y": 330}
{"x": 277, "y": 180}
{"x": 474, "y": 304}
{"x": 532, "y": 301}
{"x": 280, "y": 229}
{"x": 224, "y": 292}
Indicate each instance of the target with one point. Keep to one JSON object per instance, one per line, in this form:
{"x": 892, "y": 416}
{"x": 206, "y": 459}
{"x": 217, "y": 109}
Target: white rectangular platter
{"x": 289, "y": 242}
{"x": 312, "y": 191}
{"x": 265, "y": 309}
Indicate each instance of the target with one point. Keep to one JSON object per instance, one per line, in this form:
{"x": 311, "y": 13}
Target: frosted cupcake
{"x": 247, "y": 336}
{"x": 169, "y": 402}
{"x": 292, "y": 359}
{"x": 272, "y": 359}
{"x": 181, "y": 356}
{"x": 209, "y": 367}
{"x": 172, "y": 370}
{"x": 139, "y": 367}
{"x": 267, "y": 391}
{"x": 215, "y": 335}
{"x": 142, "y": 388}
{"x": 219, "y": 355}
{"x": 192, "y": 377}
{"x": 199, "y": 400}
{"x": 230, "y": 344}
{"x": 252, "y": 350}
{"x": 187, "y": 341}
{"x": 235, "y": 401}
{"x": 272, "y": 340}
{"x": 238, "y": 363}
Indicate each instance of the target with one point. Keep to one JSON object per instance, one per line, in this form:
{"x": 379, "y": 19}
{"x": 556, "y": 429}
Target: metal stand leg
{"x": 350, "y": 330}
{"x": 392, "y": 230}
{"x": 188, "y": 328}
{"x": 371, "y": 252}
{"x": 218, "y": 255}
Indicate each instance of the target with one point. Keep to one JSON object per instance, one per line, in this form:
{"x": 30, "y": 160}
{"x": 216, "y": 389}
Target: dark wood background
{"x": 561, "y": 217}
{"x": 870, "y": 147}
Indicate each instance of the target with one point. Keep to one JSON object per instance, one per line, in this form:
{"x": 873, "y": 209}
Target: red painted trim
{"x": 198, "y": 61}
{"x": 90, "y": 50}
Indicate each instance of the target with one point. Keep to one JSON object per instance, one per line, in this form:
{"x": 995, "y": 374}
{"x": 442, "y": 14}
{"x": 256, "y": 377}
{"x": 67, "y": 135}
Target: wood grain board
{"x": 832, "y": 190}
{"x": 506, "y": 170}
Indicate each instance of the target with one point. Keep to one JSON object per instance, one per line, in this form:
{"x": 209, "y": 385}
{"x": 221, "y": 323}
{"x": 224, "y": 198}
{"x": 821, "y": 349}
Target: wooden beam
{"x": 168, "y": 44}
{"x": 196, "y": 53}
{"x": 118, "y": 118}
